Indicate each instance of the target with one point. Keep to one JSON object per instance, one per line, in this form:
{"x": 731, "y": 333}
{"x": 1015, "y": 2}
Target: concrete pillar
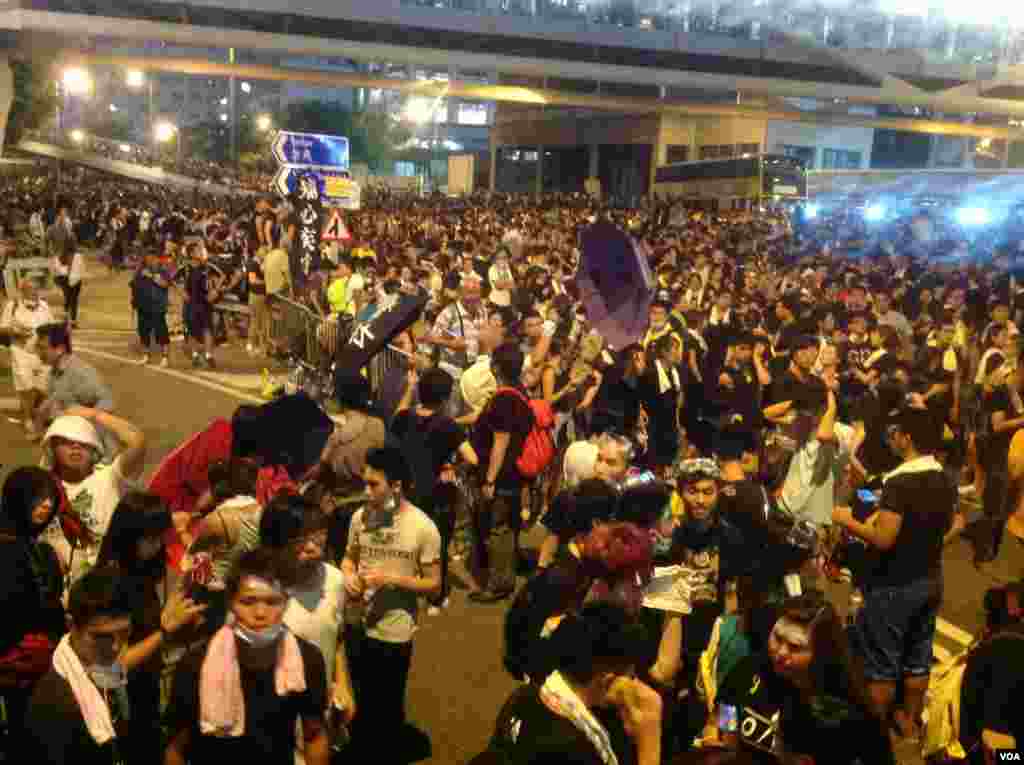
{"x": 538, "y": 183}
{"x": 6, "y": 95}
{"x": 594, "y": 169}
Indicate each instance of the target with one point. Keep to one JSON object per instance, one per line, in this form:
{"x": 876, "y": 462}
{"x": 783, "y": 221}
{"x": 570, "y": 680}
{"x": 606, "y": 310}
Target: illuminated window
{"x": 677, "y": 153}
{"x": 405, "y": 169}
{"x": 840, "y": 159}
{"x": 472, "y": 114}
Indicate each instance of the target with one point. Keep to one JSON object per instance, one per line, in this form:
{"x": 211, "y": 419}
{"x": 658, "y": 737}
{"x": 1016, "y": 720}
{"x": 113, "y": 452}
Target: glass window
{"x": 840, "y": 159}
{"x": 804, "y": 153}
{"x": 405, "y": 169}
{"x": 677, "y": 153}
{"x": 472, "y": 114}
{"x": 749, "y": 148}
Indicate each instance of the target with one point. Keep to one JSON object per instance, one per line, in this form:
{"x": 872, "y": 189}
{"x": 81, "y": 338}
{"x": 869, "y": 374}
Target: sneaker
{"x": 210, "y": 363}
{"x": 249, "y": 349}
{"x": 144, "y": 359}
{"x": 165, "y": 362}
{"x": 197, "y": 360}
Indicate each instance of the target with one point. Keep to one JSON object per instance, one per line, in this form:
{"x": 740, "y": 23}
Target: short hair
{"x": 56, "y": 335}
{"x": 924, "y": 428}
{"x": 435, "y": 387}
{"x": 390, "y": 461}
{"x": 507, "y": 362}
{"x": 261, "y": 563}
{"x": 287, "y": 517}
{"x": 602, "y": 637}
{"x": 102, "y": 592}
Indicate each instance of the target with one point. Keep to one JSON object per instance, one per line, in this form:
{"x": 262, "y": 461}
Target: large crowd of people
{"x": 785, "y": 423}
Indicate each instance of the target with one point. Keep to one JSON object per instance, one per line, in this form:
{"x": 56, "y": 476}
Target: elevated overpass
{"x": 574, "y": 47}
{"x": 131, "y": 170}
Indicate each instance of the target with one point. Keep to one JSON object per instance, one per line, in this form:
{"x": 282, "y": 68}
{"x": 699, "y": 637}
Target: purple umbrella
{"x": 615, "y": 283}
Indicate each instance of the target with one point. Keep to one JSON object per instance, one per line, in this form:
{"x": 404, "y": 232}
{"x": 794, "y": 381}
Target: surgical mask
{"x": 108, "y": 677}
{"x": 260, "y": 638}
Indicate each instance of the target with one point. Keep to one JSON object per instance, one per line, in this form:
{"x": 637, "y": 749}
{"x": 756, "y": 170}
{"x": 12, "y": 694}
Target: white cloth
{"x": 29, "y": 372}
{"x": 91, "y": 703}
{"x": 74, "y": 272}
{"x": 666, "y": 382}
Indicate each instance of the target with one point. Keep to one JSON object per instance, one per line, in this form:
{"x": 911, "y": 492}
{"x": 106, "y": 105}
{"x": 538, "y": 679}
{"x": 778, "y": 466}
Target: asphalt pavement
{"x": 457, "y": 683}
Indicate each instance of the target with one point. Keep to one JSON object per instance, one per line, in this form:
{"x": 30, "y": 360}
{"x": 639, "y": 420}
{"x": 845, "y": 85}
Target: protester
{"x": 21, "y": 320}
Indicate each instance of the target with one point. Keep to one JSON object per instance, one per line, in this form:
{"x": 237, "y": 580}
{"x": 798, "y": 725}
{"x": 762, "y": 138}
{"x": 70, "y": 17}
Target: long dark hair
{"x": 833, "y": 670}
{"x": 25, "y": 489}
{"x": 138, "y": 515}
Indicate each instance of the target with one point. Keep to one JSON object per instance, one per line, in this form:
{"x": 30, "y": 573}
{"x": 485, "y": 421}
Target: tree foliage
{"x": 35, "y": 99}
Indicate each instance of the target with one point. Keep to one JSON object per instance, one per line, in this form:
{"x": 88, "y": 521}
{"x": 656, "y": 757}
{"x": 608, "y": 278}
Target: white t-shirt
{"x": 494, "y": 275}
{"x": 93, "y": 501}
{"x": 410, "y": 543}
{"x": 316, "y": 612}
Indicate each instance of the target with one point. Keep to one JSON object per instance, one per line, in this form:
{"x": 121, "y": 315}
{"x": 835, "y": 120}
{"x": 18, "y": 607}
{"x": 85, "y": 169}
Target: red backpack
{"x": 539, "y": 446}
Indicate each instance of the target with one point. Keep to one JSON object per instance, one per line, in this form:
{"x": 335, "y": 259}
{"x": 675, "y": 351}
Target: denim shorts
{"x": 895, "y": 629}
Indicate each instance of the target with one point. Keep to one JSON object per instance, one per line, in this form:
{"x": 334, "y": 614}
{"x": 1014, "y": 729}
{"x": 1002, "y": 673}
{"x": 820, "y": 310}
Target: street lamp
{"x": 135, "y": 78}
{"x": 164, "y": 132}
{"x": 77, "y": 136}
{"x": 263, "y": 122}
{"x": 77, "y": 81}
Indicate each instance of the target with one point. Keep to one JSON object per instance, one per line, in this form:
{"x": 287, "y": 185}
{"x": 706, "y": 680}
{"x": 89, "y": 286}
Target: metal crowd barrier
{"x": 298, "y": 331}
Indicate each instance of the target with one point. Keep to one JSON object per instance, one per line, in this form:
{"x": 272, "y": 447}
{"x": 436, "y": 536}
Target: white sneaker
{"x": 249, "y": 349}
{"x": 165, "y": 362}
{"x": 145, "y": 359}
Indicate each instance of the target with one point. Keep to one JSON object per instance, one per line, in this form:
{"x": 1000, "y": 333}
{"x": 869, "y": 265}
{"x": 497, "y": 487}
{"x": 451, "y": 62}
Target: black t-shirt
{"x": 769, "y": 706}
{"x": 269, "y": 737}
{"x": 528, "y": 733}
{"x": 507, "y": 412}
{"x": 805, "y": 394}
{"x": 925, "y": 498}
{"x": 996, "y": 445}
{"x": 433, "y": 440}
{"x": 57, "y": 732}
{"x": 991, "y": 689}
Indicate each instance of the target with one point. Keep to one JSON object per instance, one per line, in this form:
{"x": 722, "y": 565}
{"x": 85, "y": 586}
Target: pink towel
{"x": 90, "y": 701}
{"x": 221, "y": 701}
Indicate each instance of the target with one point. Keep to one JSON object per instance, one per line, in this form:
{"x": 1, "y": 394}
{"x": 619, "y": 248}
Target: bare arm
{"x": 670, "y": 651}
{"x": 133, "y": 441}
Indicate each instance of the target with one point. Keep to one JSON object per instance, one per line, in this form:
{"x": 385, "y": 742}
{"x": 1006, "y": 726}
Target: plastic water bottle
{"x": 856, "y": 603}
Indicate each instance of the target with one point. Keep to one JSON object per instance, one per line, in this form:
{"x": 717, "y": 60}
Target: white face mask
{"x": 108, "y": 677}
{"x": 260, "y": 638}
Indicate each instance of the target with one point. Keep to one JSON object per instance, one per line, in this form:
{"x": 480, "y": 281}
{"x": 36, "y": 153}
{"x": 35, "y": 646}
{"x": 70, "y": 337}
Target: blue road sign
{"x": 331, "y": 186}
{"x": 311, "y": 150}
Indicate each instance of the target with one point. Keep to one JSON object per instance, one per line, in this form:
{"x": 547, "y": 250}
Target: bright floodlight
{"x": 419, "y": 110}
{"x": 246, "y": 88}
{"x": 77, "y": 81}
{"x": 135, "y": 78}
{"x": 811, "y": 211}
{"x": 125, "y": 148}
{"x": 972, "y": 216}
{"x": 263, "y": 122}
{"x": 874, "y": 213}
{"x": 77, "y": 136}
{"x": 164, "y": 131}
{"x": 223, "y": 118}
{"x": 113, "y": 107}
{"x": 224, "y": 101}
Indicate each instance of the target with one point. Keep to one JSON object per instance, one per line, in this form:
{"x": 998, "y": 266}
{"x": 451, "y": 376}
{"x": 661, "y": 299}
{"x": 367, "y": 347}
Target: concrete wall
{"x": 6, "y": 96}
{"x": 821, "y": 137}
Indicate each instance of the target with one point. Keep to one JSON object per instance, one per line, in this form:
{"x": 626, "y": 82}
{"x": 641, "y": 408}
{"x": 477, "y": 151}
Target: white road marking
{"x": 192, "y": 378}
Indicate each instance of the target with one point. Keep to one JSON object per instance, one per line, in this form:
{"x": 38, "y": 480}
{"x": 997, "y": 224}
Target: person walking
{"x": 68, "y": 268}
{"x": 149, "y": 297}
